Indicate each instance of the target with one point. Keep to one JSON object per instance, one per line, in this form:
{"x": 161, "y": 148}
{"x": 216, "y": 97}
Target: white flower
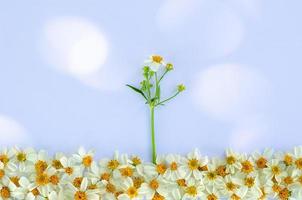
{"x": 173, "y": 171}
{"x": 155, "y": 62}
{"x": 261, "y": 159}
{"x": 232, "y": 161}
{"x": 83, "y": 158}
{"x": 191, "y": 164}
{"x": 194, "y": 189}
{"x": 156, "y": 187}
{"x": 7, "y": 188}
{"x": 83, "y": 192}
{"x": 275, "y": 169}
{"x": 131, "y": 192}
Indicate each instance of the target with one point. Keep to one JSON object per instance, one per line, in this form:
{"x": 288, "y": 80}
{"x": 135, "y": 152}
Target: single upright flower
{"x": 150, "y": 89}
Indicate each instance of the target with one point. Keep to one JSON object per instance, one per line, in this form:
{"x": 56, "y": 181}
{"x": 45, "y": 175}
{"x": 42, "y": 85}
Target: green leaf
{"x": 137, "y": 90}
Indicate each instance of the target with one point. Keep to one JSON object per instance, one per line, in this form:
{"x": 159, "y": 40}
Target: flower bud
{"x": 169, "y": 66}
{"x": 181, "y": 88}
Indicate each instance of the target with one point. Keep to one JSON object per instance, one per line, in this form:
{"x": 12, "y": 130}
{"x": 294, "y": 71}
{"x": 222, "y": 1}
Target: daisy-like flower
{"x": 192, "y": 165}
{"x": 274, "y": 170}
{"x": 82, "y": 192}
{"x": 115, "y": 163}
{"x": 211, "y": 176}
{"x": 130, "y": 191}
{"x": 7, "y": 188}
{"x": 156, "y": 188}
{"x": 22, "y": 156}
{"x": 83, "y": 158}
{"x": 261, "y": 159}
{"x": 286, "y": 157}
{"x": 40, "y": 160}
{"x": 155, "y": 62}
{"x": 211, "y": 193}
{"x": 232, "y": 160}
{"x": 230, "y": 185}
{"x": 6, "y": 155}
{"x": 194, "y": 189}
{"x": 298, "y": 157}
{"x": 151, "y": 170}
{"x": 173, "y": 171}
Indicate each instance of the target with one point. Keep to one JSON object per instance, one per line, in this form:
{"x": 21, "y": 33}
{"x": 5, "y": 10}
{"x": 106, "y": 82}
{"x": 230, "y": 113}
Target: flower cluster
{"x": 28, "y": 174}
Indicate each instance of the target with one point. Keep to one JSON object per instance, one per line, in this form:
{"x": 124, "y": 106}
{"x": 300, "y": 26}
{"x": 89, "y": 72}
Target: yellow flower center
{"x": 249, "y": 182}
{"x": 173, "y": 166}
{"x": 231, "y": 186}
{"x": 235, "y": 197}
{"x": 191, "y": 190}
{"x": 137, "y": 182}
{"x": 247, "y": 167}
{"x": 136, "y": 161}
{"x": 4, "y": 159}
{"x": 21, "y": 157}
{"x": 212, "y": 197}
{"x": 181, "y": 182}
{"x": 161, "y": 168}
{"x": 288, "y": 160}
{"x": 126, "y": 172}
{"x": 68, "y": 170}
{"x": 79, "y": 195}
{"x": 154, "y": 184}
{"x": 2, "y": 173}
{"x": 77, "y": 182}
{"x": 92, "y": 187}
{"x": 211, "y": 175}
{"x": 230, "y": 160}
{"x": 193, "y": 164}
{"x": 261, "y": 163}
{"x": 35, "y": 192}
{"x": 298, "y": 163}
{"x": 105, "y": 176}
{"x": 157, "y": 59}
{"x": 158, "y": 197}
{"x": 57, "y": 164}
{"x": 54, "y": 179}
{"x": 284, "y": 194}
{"x": 5, "y": 192}
{"x": 276, "y": 188}
{"x": 87, "y": 160}
{"x": 132, "y": 192}
{"x": 288, "y": 180}
{"x": 221, "y": 170}
{"x": 110, "y": 188}
{"x": 40, "y": 166}
{"x": 276, "y": 170}
{"x": 15, "y": 180}
{"x": 42, "y": 179}
{"x": 113, "y": 164}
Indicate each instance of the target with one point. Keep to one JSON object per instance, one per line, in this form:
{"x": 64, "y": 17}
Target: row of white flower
{"x": 29, "y": 174}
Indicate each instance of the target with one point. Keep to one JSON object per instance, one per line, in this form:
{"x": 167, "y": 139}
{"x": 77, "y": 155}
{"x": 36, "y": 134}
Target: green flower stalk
{"x": 154, "y": 71}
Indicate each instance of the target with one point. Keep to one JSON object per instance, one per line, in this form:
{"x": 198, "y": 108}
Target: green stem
{"x": 168, "y": 99}
{"x": 153, "y": 135}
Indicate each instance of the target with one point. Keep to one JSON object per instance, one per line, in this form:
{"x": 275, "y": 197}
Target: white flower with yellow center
{"x": 191, "y": 165}
{"x": 83, "y": 158}
{"x": 115, "y": 163}
{"x": 230, "y": 184}
{"x": 261, "y": 159}
{"x": 151, "y": 170}
{"x": 156, "y": 188}
{"x": 211, "y": 193}
{"x": 7, "y": 188}
{"x": 21, "y": 156}
{"x": 286, "y": 157}
{"x": 69, "y": 169}
{"x": 297, "y": 154}
{"x": 40, "y": 161}
{"x": 252, "y": 183}
{"x": 82, "y": 192}
{"x": 275, "y": 169}
{"x": 6, "y": 155}
{"x": 155, "y": 62}
{"x": 232, "y": 160}
{"x": 173, "y": 171}
{"x": 130, "y": 191}
{"x": 211, "y": 174}
{"x": 194, "y": 189}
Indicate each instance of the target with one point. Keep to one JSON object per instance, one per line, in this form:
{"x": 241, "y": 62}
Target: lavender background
{"x": 64, "y": 64}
